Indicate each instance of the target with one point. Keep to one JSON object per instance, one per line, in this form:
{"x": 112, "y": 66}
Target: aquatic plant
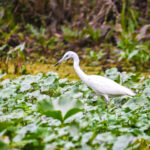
{"x": 44, "y": 111}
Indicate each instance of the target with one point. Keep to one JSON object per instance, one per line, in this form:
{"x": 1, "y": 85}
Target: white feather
{"x": 105, "y": 86}
{"x": 100, "y": 85}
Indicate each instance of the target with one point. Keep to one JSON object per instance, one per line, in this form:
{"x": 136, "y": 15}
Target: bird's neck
{"x": 78, "y": 70}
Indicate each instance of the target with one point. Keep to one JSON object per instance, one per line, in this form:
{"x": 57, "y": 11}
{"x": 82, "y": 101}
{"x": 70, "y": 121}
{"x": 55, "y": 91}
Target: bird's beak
{"x": 59, "y": 62}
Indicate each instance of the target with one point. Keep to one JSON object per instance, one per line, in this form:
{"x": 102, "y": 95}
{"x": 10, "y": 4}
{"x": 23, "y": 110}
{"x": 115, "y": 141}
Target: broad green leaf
{"x": 123, "y": 142}
{"x": 45, "y": 105}
{"x": 71, "y": 112}
{"x": 146, "y": 92}
{"x": 7, "y": 92}
{"x": 22, "y": 132}
{"x": 56, "y": 114}
{"x": 113, "y": 74}
{"x": 86, "y": 137}
{"x": 104, "y": 137}
{"x": 15, "y": 114}
{"x": 3, "y": 146}
{"x": 24, "y": 87}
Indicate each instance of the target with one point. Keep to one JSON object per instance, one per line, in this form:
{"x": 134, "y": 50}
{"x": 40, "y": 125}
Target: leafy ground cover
{"x": 45, "y": 112}
{"x": 103, "y": 31}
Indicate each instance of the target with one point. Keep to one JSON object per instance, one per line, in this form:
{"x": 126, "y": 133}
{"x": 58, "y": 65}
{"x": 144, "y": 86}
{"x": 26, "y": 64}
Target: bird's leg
{"x": 106, "y": 99}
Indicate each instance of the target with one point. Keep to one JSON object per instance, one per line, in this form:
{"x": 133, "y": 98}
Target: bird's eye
{"x": 67, "y": 56}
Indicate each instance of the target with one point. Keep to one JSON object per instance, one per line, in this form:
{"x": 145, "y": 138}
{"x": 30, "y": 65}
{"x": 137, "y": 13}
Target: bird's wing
{"x": 102, "y": 85}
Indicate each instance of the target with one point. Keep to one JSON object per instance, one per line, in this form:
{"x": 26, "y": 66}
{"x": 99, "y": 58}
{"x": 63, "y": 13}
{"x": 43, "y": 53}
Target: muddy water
{"x": 64, "y": 70}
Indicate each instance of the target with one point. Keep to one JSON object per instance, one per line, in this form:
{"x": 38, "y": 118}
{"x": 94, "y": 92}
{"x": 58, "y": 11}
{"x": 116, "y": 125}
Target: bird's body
{"x": 102, "y": 86}
{"x": 107, "y": 86}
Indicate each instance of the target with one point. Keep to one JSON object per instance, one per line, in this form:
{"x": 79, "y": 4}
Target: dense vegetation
{"x": 45, "y": 112}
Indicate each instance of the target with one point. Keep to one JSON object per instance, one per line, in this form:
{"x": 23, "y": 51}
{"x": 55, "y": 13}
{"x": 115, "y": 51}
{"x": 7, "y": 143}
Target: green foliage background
{"x": 45, "y": 112}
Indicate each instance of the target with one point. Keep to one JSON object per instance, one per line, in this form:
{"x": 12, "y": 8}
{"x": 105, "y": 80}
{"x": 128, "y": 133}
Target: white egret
{"x": 102, "y": 86}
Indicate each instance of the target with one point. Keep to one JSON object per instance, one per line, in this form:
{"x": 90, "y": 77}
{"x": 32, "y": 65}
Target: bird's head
{"x": 67, "y": 55}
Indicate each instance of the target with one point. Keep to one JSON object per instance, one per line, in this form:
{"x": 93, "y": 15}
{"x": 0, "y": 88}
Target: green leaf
{"x": 3, "y": 146}
{"x": 45, "y": 105}
{"x": 7, "y": 92}
{"x": 54, "y": 114}
{"x": 68, "y": 101}
{"x": 123, "y": 142}
{"x": 21, "y": 133}
{"x": 132, "y": 54}
{"x": 33, "y": 30}
{"x": 71, "y": 112}
{"x": 104, "y": 137}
